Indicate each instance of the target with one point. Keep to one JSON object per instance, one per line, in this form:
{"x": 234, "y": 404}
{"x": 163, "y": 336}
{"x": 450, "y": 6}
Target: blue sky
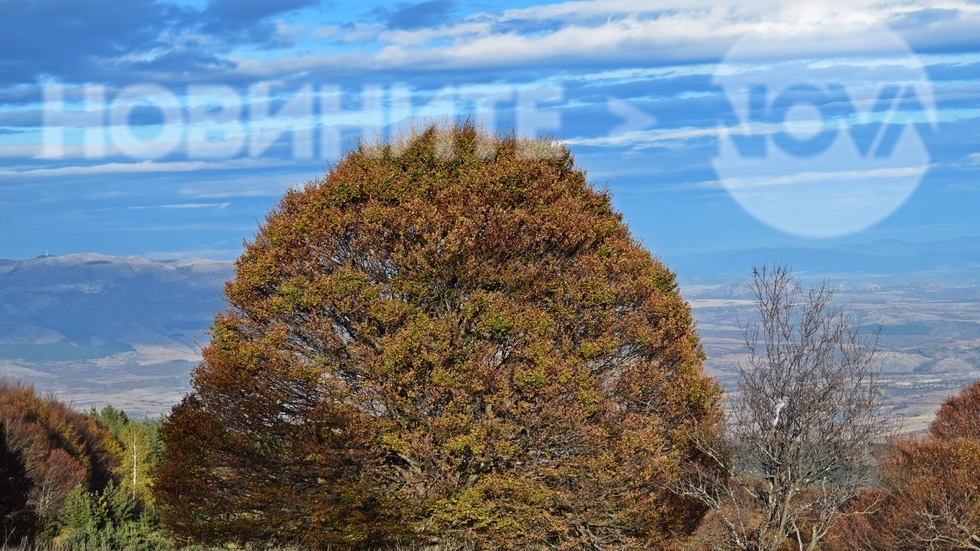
{"x": 168, "y": 129}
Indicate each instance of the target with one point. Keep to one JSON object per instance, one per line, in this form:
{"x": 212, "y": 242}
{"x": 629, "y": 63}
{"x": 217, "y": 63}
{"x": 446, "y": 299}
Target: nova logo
{"x": 823, "y": 143}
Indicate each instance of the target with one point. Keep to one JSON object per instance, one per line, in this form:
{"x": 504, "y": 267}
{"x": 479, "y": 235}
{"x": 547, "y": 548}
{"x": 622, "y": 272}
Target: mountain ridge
{"x": 886, "y": 262}
{"x": 98, "y": 329}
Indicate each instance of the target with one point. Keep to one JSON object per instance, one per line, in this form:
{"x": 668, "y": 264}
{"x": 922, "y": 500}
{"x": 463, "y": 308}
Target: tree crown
{"x": 466, "y": 345}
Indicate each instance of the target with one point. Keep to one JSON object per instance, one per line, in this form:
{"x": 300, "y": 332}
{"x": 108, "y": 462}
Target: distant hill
{"x": 887, "y": 262}
{"x": 98, "y": 330}
{"x": 94, "y": 327}
{"x": 925, "y": 298}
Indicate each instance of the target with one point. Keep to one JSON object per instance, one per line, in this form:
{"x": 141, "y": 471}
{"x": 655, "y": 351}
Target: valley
{"x": 97, "y": 330}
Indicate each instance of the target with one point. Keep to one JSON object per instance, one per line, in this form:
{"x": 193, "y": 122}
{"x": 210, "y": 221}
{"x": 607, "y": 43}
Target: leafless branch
{"x": 801, "y": 423}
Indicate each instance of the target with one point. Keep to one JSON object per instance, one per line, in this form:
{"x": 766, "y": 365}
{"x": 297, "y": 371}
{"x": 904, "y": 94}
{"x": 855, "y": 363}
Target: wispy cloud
{"x": 181, "y": 206}
{"x": 808, "y": 177}
{"x": 658, "y": 56}
{"x": 652, "y": 32}
{"x": 25, "y": 150}
{"x": 225, "y": 40}
{"x": 196, "y": 206}
{"x": 148, "y": 166}
{"x": 405, "y": 15}
{"x": 648, "y": 138}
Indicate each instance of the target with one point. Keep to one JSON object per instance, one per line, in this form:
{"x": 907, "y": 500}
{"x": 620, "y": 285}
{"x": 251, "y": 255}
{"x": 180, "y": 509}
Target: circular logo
{"x": 824, "y": 141}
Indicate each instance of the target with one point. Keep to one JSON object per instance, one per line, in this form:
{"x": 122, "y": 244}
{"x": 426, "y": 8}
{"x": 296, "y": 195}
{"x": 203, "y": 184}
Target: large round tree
{"x": 452, "y": 338}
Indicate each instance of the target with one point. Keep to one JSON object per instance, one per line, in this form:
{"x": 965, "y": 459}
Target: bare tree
{"x": 802, "y": 425}
{"x": 135, "y": 454}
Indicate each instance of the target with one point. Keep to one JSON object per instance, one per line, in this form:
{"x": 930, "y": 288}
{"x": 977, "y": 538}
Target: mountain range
{"x": 99, "y": 329}
{"x": 888, "y": 262}
{"x": 126, "y": 331}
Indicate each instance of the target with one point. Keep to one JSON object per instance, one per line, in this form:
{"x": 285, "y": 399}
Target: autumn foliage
{"x": 16, "y": 518}
{"x": 930, "y": 498}
{"x": 451, "y": 337}
{"x": 73, "y": 480}
{"x": 59, "y": 448}
{"x": 959, "y": 416}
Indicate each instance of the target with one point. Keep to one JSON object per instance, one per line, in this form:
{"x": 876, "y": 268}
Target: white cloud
{"x": 362, "y": 33}
{"x": 287, "y": 33}
{"x": 182, "y": 206}
{"x": 879, "y": 174}
{"x": 147, "y": 166}
{"x": 196, "y": 206}
{"x": 326, "y": 31}
{"x": 244, "y": 186}
{"x": 647, "y": 138}
{"x": 23, "y": 150}
{"x": 625, "y": 30}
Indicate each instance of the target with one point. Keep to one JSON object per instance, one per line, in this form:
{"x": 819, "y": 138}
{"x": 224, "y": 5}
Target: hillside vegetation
{"x": 73, "y": 479}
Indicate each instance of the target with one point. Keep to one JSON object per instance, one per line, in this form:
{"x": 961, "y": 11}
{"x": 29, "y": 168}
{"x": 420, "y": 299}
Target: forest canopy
{"x": 76, "y": 480}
